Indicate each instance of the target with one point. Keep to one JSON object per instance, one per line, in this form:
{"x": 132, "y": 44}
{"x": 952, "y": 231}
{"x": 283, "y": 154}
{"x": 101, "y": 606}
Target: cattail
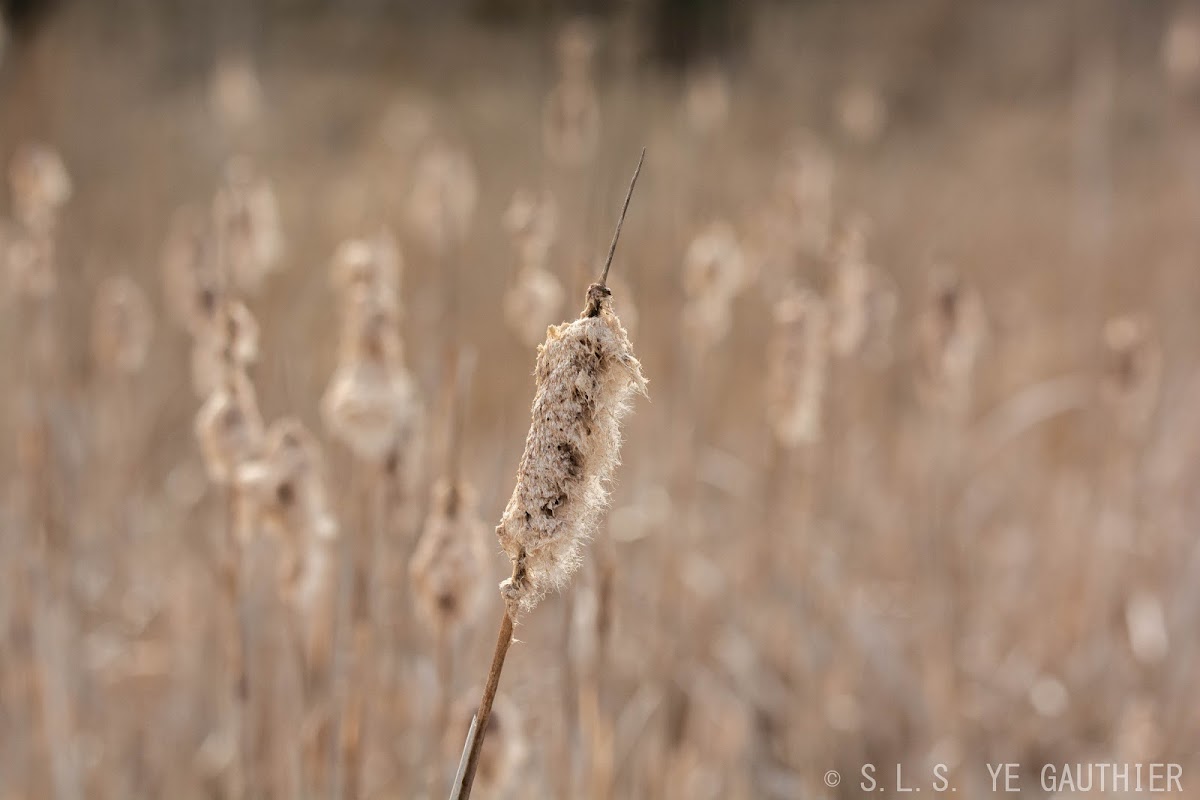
{"x": 715, "y": 271}
{"x": 444, "y": 194}
{"x": 40, "y": 186}
{"x": 229, "y": 427}
{"x": 532, "y": 302}
{"x": 797, "y": 363}
{"x": 246, "y": 221}
{"x": 707, "y": 100}
{"x": 532, "y": 222}
{"x": 501, "y": 762}
{"x": 805, "y": 188}
{"x": 30, "y": 263}
{"x": 861, "y": 112}
{"x": 585, "y": 375}
{"x": 1133, "y": 371}
{"x": 950, "y": 335}
{"x": 371, "y": 403}
{"x": 122, "y": 326}
{"x": 230, "y": 339}
{"x": 283, "y": 491}
{"x": 191, "y": 277}
{"x": 450, "y": 560}
{"x": 235, "y": 94}
{"x": 571, "y": 112}
{"x": 1181, "y": 49}
{"x": 373, "y": 265}
{"x": 862, "y": 302}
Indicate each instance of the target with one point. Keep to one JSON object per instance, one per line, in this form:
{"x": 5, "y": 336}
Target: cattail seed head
{"x": 805, "y": 188}
{"x": 229, "y": 339}
{"x": 797, "y": 361}
{"x": 122, "y": 326}
{"x": 1133, "y": 371}
{"x": 246, "y": 221}
{"x": 229, "y": 427}
{"x": 532, "y": 222}
{"x": 586, "y": 372}
{"x": 950, "y": 334}
{"x": 30, "y": 263}
{"x": 715, "y": 270}
{"x": 191, "y": 277}
{"x": 532, "y": 303}
{"x": 444, "y": 194}
{"x": 450, "y": 561}
{"x": 862, "y": 301}
{"x": 571, "y": 123}
{"x": 373, "y": 265}
{"x": 40, "y": 186}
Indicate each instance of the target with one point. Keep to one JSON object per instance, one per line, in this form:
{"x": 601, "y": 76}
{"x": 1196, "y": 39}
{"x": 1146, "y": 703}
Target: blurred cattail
{"x": 532, "y": 222}
{"x": 585, "y": 374}
{"x": 40, "y": 186}
{"x": 571, "y": 123}
{"x": 283, "y": 492}
{"x": 1133, "y": 371}
{"x": 861, "y": 112}
{"x": 444, "y": 194}
{"x": 575, "y": 48}
{"x": 230, "y": 339}
{"x": 950, "y": 335}
{"x": 371, "y": 404}
{"x": 1181, "y": 49}
{"x": 797, "y": 364}
{"x": 715, "y": 271}
{"x": 122, "y": 326}
{"x": 29, "y": 263}
{"x": 229, "y": 427}
{"x": 532, "y": 303}
{"x": 248, "y": 231}
{"x": 706, "y": 100}
{"x": 862, "y": 302}
{"x": 501, "y": 761}
{"x": 373, "y": 265}
{"x": 449, "y": 564}
{"x": 191, "y": 276}
{"x": 234, "y": 93}
{"x": 805, "y": 188}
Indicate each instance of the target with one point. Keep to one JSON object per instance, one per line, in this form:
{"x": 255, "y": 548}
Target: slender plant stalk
{"x": 474, "y": 744}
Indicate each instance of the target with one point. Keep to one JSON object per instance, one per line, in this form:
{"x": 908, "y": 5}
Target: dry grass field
{"x": 915, "y": 287}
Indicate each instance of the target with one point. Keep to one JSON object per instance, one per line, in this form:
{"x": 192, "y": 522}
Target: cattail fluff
{"x": 535, "y": 299}
{"x": 797, "y": 362}
{"x": 571, "y": 113}
{"x": 444, "y": 194}
{"x": 862, "y": 301}
{"x": 191, "y": 277}
{"x": 371, "y": 404}
{"x": 501, "y": 762}
{"x": 1132, "y": 373}
{"x": 284, "y": 494}
{"x": 715, "y": 271}
{"x": 29, "y": 263}
{"x": 950, "y": 334}
{"x": 246, "y": 221}
{"x": 229, "y": 339}
{"x": 229, "y": 427}
{"x": 40, "y": 186}
{"x": 585, "y": 374}
{"x": 234, "y": 92}
{"x": 122, "y": 327}
{"x": 450, "y": 561}
{"x": 805, "y": 187}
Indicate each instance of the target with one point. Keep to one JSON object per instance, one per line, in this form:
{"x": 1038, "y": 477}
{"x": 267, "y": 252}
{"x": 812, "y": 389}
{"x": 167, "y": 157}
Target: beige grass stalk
{"x": 585, "y": 372}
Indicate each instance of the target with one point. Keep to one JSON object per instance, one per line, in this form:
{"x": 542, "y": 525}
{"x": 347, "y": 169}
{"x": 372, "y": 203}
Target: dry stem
{"x": 474, "y": 744}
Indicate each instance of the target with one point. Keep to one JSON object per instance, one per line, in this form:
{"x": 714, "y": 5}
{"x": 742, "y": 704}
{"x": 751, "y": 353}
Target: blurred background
{"x": 915, "y": 286}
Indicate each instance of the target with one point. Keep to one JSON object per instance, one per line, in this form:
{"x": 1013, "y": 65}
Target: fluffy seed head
{"x": 533, "y": 302}
{"x": 229, "y": 427}
{"x": 122, "y": 326}
{"x": 40, "y": 186}
{"x": 532, "y": 222}
{"x": 444, "y": 195}
{"x": 797, "y": 361}
{"x": 373, "y": 265}
{"x": 246, "y": 219}
{"x": 191, "y": 278}
{"x": 229, "y": 339}
{"x": 1133, "y": 371}
{"x": 571, "y": 122}
{"x": 805, "y": 188}
{"x": 449, "y": 563}
{"x": 30, "y": 264}
{"x": 950, "y": 334}
{"x": 585, "y": 375}
{"x": 715, "y": 270}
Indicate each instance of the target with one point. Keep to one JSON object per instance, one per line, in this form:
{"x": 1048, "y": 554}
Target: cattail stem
{"x": 474, "y": 744}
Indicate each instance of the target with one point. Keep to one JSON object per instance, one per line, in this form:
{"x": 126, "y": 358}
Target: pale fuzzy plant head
{"x": 533, "y": 302}
{"x": 571, "y": 123}
{"x": 40, "y": 186}
{"x": 532, "y": 221}
{"x": 29, "y": 263}
{"x": 247, "y": 225}
{"x": 797, "y": 368}
{"x": 706, "y": 100}
{"x": 283, "y": 490}
{"x": 445, "y": 192}
{"x": 950, "y": 334}
{"x": 372, "y": 410}
{"x": 585, "y": 375}
{"x": 714, "y": 264}
{"x": 450, "y": 565}
{"x": 1132, "y": 372}
{"x": 228, "y": 340}
{"x": 122, "y": 327}
{"x": 576, "y": 48}
{"x": 234, "y": 91}
{"x": 191, "y": 277}
{"x": 229, "y": 427}
{"x": 804, "y": 188}
{"x": 504, "y": 756}
{"x": 373, "y": 265}
{"x": 862, "y": 300}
